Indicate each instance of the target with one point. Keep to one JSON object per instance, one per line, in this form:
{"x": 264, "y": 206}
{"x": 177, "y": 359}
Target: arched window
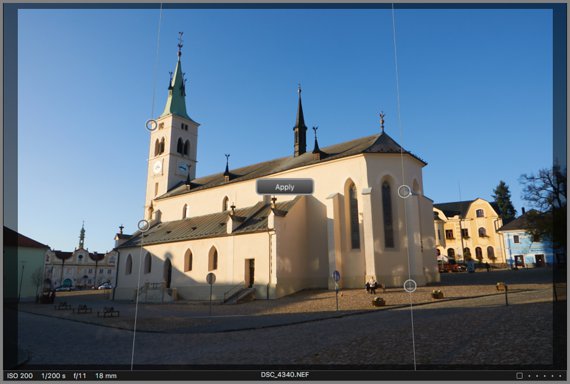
{"x": 480, "y": 213}
{"x": 156, "y": 147}
{"x": 482, "y": 232}
{"x": 186, "y": 147}
{"x": 225, "y": 204}
{"x": 354, "y": 226}
{"x": 167, "y": 273}
{"x": 179, "y": 146}
{"x": 147, "y": 263}
{"x": 479, "y": 253}
{"x": 188, "y": 261}
{"x": 437, "y": 252}
{"x": 491, "y": 253}
{"x": 451, "y": 253}
{"x": 185, "y": 211}
{"x": 162, "y": 145}
{"x": 213, "y": 259}
{"x": 388, "y": 220}
{"x": 129, "y": 265}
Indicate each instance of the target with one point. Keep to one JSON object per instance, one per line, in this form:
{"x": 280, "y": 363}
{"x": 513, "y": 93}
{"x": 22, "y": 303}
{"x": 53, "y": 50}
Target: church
{"x": 366, "y": 216}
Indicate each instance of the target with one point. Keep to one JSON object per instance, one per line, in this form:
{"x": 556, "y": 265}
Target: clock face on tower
{"x": 157, "y": 167}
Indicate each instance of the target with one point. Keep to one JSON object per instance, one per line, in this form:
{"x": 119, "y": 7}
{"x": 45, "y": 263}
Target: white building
{"x": 80, "y": 268}
{"x": 354, "y": 221}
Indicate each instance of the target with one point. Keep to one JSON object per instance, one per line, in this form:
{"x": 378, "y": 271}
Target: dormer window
{"x": 480, "y": 213}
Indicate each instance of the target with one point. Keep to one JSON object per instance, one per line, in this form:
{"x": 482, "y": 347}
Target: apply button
{"x": 285, "y": 186}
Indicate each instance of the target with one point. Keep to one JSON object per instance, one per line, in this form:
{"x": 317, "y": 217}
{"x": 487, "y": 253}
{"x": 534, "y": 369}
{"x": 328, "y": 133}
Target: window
{"x": 438, "y": 252}
{"x": 516, "y": 239}
{"x": 466, "y": 253}
{"x": 90, "y": 270}
{"x": 108, "y": 271}
{"x": 491, "y": 253}
{"x": 387, "y": 211}
{"x": 464, "y": 232}
{"x": 147, "y": 263}
{"x": 225, "y": 204}
{"x": 353, "y": 211}
{"x": 185, "y": 211}
{"x": 449, "y": 234}
{"x": 439, "y": 234}
{"x": 213, "y": 259}
{"x": 186, "y": 147}
{"x": 100, "y": 270}
{"x": 451, "y": 253}
{"x": 479, "y": 253}
{"x": 156, "y": 147}
{"x": 188, "y": 261}
{"x": 480, "y": 213}
{"x": 161, "y": 146}
{"x": 184, "y": 127}
{"x": 536, "y": 238}
{"x": 161, "y": 126}
{"x": 179, "y": 146}
{"x": 129, "y": 265}
{"x": 155, "y": 190}
{"x": 482, "y": 232}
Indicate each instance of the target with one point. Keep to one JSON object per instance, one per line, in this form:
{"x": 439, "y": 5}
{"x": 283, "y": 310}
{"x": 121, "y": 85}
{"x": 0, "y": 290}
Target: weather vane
{"x": 315, "y": 130}
{"x": 180, "y": 43}
{"x": 382, "y": 115}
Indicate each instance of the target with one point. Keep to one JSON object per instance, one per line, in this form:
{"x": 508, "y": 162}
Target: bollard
{"x": 506, "y": 295}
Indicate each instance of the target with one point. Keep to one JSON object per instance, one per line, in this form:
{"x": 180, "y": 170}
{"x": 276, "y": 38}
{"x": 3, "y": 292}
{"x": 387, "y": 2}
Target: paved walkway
{"x": 305, "y": 306}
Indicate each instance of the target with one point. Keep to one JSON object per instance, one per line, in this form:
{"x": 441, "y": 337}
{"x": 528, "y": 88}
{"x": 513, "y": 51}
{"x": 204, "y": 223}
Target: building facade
{"x": 468, "y": 230}
{"x": 79, "y": 268}
{"x": 358, "y": 220}
{"x": 26, "y": 256}
{"x": 524, "y": 250}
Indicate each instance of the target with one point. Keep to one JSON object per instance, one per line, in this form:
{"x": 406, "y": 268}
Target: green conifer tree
{"x": 502, "y": 197}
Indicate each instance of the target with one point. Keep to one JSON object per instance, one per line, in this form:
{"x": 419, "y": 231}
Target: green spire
{"x": 176, "y": 102}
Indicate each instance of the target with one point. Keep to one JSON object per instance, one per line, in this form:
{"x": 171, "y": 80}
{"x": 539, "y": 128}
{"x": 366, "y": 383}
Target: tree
{"x": 502, "y": 197}
{"x": 546, "y": 191}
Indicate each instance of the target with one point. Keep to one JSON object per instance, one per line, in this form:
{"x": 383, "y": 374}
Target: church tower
{"x": 173, "y": 142}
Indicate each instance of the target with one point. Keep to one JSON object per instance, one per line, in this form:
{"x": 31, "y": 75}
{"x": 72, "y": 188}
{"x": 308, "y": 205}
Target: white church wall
{"x": 431, "y": 270}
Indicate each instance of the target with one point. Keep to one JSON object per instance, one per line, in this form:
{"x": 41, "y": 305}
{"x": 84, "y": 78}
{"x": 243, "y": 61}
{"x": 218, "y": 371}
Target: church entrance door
{"x": 167, "y": 273}
{"x": 249, "y": 272}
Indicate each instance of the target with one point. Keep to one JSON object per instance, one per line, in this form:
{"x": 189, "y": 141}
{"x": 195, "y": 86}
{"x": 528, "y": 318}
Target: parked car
{"x": 64, "y": 288}
{"x": 452, "y": 266}
{"x": 105, "y": 286}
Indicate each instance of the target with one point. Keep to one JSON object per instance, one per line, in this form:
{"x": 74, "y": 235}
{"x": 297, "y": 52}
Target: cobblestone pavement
{"x": 193, "y": 317}
{"x": 472, "y": 331}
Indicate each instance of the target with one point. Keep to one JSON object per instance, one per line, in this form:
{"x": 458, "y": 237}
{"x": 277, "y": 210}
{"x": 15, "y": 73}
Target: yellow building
{"x": 468, "y": 229}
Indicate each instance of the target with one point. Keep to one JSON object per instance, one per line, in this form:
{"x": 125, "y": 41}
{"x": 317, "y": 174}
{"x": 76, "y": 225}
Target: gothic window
{"x": 179, "y": 146}
{"x": 451, "y": 253}
{"x": 162, "y": 145}
{"x": 491, "y": 253}
{"x": 388, "y": 220}
{"x": 147, "y": 263}
{"x": 482, "y": 232}
{"x": 225, "y": 204}
{"x": 188, "y": 261}
{"x": 480, "y": 213}
{"x": 353, "y": 209}
{"x": 186, "y": 147}
{"x": 213, "y": 259}
{"x": 129, "y": 265}
{"x": 185, "y": 211}
{"x": 156, "y": 147}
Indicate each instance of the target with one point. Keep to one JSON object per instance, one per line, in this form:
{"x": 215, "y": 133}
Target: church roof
{"x": 460, "y": 207}
{"x": 378, "y": 143}
{"x": 253, "y": 219}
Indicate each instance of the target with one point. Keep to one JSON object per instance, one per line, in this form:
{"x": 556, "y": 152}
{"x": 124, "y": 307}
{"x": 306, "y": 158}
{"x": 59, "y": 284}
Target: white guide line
{"x": 137, "y": 303}
{"x": 403, "y": 176}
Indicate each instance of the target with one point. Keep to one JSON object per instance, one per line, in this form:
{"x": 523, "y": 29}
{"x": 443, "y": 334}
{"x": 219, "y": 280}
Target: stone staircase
{"x": 244, "y": 295}
{"x": 156, "y": 293}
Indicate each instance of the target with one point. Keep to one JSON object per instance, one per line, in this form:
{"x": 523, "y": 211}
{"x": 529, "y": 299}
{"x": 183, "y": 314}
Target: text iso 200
{"x": 19, "y": 375}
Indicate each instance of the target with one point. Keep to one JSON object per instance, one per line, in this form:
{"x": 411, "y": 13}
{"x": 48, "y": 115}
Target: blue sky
{"x": 475, "y": 95}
